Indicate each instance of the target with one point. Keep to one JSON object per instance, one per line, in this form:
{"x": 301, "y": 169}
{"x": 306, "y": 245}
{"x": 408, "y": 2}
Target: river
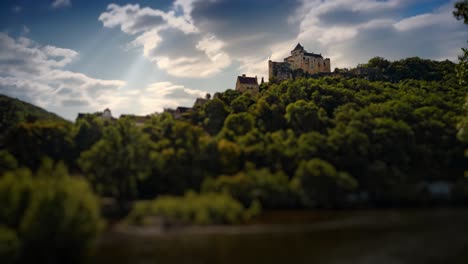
{"x": 413, "y": 236}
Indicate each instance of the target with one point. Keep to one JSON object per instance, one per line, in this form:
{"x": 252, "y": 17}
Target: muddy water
{"x": 382, "y": 237}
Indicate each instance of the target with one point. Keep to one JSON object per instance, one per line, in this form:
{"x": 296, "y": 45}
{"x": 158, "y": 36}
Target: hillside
{"x": 13, "y": 111}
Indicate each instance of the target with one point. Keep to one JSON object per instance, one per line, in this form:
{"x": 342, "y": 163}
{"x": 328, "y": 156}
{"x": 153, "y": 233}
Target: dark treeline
{"x": 302, "y": 143}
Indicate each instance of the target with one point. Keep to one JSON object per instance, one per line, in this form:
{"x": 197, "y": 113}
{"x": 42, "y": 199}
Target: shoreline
{"x": 296, "y": 221}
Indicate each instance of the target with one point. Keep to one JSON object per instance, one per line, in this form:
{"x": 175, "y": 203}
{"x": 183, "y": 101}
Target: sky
{"x": 139, "y": 57}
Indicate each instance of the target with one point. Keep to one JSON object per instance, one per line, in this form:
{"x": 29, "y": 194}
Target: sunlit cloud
{"x": 35, "y": 73}
{"x": 206, "y": 56}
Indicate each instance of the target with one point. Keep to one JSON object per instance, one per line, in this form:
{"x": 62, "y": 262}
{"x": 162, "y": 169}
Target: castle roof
{"x": 313, "y": 55}
{"x": 298, "y": 47}
{"x": 247, "y": 80}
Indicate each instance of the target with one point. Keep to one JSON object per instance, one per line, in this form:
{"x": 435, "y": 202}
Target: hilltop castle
{"x": 301, "y": 62}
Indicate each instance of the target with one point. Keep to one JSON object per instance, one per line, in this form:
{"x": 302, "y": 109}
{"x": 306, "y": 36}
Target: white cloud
{"x": 204, "y": 58}
{"x": 35, "y": 73}
{"x": 154, "y": 98}
{"x": 61, "y": 3}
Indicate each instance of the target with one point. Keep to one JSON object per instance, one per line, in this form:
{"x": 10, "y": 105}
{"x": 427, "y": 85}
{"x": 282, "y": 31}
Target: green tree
{"x": 462, "y": 67}
{"x": 238, "y": 125}
{"x": 319, "y": 184}
{"x": 242, "y": 103}
{"x": 29, "y": 143}
{"x": 380, "y": 63}
{"x": 118, "y": 161}
{"x": 7, "y": 162}
{"x": 49, "y": 217}
{"x": 9, "y": 245}
{"x": 87, "y": 132}
{"x": 303, "y": 116}
{"x": 461, "y": 11}
{"x": 215, "y": 114}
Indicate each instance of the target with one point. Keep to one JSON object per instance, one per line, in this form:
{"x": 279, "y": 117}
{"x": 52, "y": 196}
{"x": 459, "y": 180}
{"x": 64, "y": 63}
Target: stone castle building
{"x": 300, "y": 62}
{"x": 247, "y": 84}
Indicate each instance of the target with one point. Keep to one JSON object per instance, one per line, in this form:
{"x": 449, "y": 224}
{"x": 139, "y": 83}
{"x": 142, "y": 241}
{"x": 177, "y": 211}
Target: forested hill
{"x": 14, "y": 111}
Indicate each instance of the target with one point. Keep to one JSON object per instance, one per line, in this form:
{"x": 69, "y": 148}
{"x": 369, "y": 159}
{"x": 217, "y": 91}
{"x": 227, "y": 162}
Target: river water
{"x": 413, "y": 236}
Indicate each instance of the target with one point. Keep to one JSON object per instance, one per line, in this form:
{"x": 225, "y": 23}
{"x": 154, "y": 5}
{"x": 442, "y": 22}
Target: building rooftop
{"x": 298, "y": 47}
{"x": 183, "y": 109}
{"x": 310, "y": 54}
{"x": 247, "y": 80}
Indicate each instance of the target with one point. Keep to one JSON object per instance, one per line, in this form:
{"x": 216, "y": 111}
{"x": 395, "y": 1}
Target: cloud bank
{"x": 200, "y": 38}
{"x": 36, "y": 74}
{"x": 202, "y": 56}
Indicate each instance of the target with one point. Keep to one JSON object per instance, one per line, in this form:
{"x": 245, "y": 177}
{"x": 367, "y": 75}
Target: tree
{"x": 215, "y": 113}
{"x": 242, "y": 103}
{"x": 379, "y": 62}
{"x": 319, "y": 184}
{"x": 238, "y": 125}
{"x": 270, "y": 189}
{"x": 7, "y": 162}
{"x": 303, "y": 116}
{"x": 29, "y": 143}
{"x": 87, "y": 132}
{"x": 116, "y": 163}
{"x": 461, "y": 12}
{"x": 229, "y": 156}
{"x": 462, "y": 67}
{"x": 50, "y": 217}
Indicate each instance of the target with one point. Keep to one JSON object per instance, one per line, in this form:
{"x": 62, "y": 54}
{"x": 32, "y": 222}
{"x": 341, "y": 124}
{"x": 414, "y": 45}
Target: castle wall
{"x": 309, "y": 63}
{"x": 279, "y": 70}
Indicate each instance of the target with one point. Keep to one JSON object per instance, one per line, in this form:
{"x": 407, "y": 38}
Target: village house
{"x": 104, "y": 115}
{"x": 247, "y": 84}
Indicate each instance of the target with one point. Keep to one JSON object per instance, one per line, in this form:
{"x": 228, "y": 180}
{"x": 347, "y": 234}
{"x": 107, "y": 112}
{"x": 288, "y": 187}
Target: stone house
{"x": 200, "y": 102}
{"x": 180, "y": 111}
{"x": 247, "y": 84}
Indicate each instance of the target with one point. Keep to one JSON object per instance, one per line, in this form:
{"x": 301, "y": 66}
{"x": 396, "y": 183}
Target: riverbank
{"x": 365, "y": 236}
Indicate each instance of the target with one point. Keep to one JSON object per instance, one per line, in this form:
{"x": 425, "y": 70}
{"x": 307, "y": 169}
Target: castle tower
{"x": 297, "y": 50}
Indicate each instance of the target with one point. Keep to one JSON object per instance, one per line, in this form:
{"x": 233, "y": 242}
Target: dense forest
{"x": 329, "y": 142}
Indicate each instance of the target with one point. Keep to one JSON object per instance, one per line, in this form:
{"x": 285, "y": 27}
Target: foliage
{"x": 7, "y": 162}
{"x": 270, "y": 189}
{"x": 118, "y": 161}
{"x": 461, "y": 11}
{"x": 48, "y": 217}
{"x": 9, "y": 245}
{"x": 29, "y": 143}
{"x": 320, "y": 185}
{"x": 192, "y": 208}
{"x": 462, "y": 67}
{"x": 14, "y": 111}
{"x": 390, "y": 136}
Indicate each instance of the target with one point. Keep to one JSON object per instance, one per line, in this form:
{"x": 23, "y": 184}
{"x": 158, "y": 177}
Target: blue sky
{"x": 72, "y": 56}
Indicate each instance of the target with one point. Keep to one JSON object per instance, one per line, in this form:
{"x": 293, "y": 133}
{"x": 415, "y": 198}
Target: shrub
{"x": 9, "y": 245}
{"x": 270, "y": 189}
{"x": 192, "y": 208}
{"x": 55, "y": 216}
{"x": 320, "y": 185}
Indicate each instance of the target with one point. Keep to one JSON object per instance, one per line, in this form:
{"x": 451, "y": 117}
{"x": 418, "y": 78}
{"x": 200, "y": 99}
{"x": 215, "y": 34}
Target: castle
{"x": 299, "y": 63}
